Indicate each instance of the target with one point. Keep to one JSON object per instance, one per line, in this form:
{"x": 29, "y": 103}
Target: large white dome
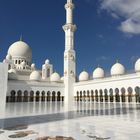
{"x": 55, "y": 77}
{"x": 117, "y": 69}
{"x": 20, "y": 49}
{"x": 84, "y": 76}
{"x": 98, "y": 73}
{"x": 35, "y": 76}
{"x": 137, "y": 65}
{"x": 8, "y": 57}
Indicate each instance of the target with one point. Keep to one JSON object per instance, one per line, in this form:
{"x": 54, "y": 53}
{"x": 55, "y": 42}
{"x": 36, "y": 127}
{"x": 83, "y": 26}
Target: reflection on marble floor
{"x": 87, "y": 121}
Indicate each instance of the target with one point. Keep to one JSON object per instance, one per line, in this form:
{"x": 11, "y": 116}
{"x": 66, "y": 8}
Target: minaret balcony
{"x": 69, "y": 5}
{"x": 69, "y": 27}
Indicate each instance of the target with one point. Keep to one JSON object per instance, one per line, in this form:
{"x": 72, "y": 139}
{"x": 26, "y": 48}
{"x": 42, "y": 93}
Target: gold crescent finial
{"x": 21, "y": 38}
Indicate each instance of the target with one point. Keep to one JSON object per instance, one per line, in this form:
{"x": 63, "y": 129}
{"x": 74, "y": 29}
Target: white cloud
{"x": 100, "y": 36}
{"x": 129, "y": 10}
{"x": 102, "y": 58}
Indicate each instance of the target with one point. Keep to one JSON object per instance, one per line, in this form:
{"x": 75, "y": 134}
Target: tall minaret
{"x": 69, "y": 53}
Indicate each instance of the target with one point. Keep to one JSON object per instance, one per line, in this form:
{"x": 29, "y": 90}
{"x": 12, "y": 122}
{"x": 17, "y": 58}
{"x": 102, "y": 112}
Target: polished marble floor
{"x": 84, "y": 121}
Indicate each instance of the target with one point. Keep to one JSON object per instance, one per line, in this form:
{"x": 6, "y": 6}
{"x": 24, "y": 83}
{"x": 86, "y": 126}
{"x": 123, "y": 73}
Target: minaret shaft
{"x": 69, "y": 27}
{"x": 69, "y": 53}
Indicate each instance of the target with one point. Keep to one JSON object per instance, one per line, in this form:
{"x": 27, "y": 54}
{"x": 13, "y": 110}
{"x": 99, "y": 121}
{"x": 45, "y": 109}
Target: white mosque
{"x": 25, "y": 83}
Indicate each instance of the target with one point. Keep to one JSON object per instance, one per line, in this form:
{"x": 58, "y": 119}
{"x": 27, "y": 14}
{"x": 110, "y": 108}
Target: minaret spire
{"x": 69, "y": 53}
{"x": 69, "y": 27}
{"x": 69, "y": 6}
{"x": 69, "y": 1}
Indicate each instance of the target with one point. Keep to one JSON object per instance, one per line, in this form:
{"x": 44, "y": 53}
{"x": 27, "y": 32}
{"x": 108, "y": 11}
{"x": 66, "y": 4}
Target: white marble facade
{"x": 26, "y": 83}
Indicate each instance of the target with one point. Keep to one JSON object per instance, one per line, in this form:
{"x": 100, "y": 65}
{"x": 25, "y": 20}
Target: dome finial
{"x": 98, "y": 65}
{"x": 21, "y": 37}
{"x": 117, "y": 61}
{"x": 84, "y": 69}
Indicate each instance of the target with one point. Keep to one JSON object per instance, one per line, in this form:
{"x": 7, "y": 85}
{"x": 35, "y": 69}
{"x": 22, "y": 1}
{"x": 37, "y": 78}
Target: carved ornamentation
{"x": 65, "y": 73}
{"x": 72, "y": 73}
{"x": 69, "y": 26}
{"x": 69, "y": 5}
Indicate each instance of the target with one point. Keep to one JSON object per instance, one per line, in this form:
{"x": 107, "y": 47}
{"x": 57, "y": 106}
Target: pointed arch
{"x": 58, "y": 96}
{"x": 31, "y": 99}
{"x": 19, "y": 96}
{"x": 106, "y": 95}
{"x": 43, "y": 96}
{"x": 137, "y": 93}
{"x": 92, "y": 95}
{"x": 48, "y": 96}
{"x": 13, "y": 96}
{"x": 53, "y": 96}
{"x": 101, "y": 95}
{"x": 123, "y": 99}
{"x": 130, "y": 96}
{"x": 111, "y": 95}
{"x": 117, "y": 96}
{"x": 25, "y": 96}
{"x": 96, "y": 95}
{"x": 37, "y": 98}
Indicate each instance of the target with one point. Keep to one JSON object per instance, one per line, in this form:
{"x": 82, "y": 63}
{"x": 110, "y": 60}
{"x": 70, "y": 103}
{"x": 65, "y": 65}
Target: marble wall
{"x": 3, "y": 86}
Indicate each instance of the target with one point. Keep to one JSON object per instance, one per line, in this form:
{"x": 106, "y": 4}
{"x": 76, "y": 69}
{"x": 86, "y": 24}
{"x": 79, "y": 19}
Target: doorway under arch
{"x": 43, "y": 96}
{"x": 58, "y": 96}
{"x": 53, "y": 96}
{"x": 25, "y": 96}
{"x": 48, "y": 96}
{"x": 130, "y": 96}
{"x": 13, "y": 96}
{"x": 117, "y": 96}
{"x": 37, "y": 98}
{"x": 19, "y": 96}
{"x": 123, "y": 95}
{"x": 31, "y": 98}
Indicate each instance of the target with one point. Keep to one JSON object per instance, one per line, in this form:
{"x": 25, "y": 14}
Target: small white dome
{"x": 137, "y": 65}
{"x": 62, "y": 78}
{"x": 84, "y": 76}
{"x": 33, "y": 67}
{"x": 12, "y": 74}
{"x": 47, "y": 61}
{"x": 117, "y": 69}
{"x": 98, "y": 73}
{"x": 35, "y": 76}
{"x": 20, "y": 49}
{"x": 55, "y": 77}
{"x": 8, "y": 57}
{"x": 12, "y": 71}
{"x": 4, "y": 61}
{"x": 23, "y": 64}
{"x": 43, "y": 65}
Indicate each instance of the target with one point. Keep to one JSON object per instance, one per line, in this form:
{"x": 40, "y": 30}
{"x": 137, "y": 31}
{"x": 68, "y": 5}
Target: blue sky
{"x": 108, "y": 30}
